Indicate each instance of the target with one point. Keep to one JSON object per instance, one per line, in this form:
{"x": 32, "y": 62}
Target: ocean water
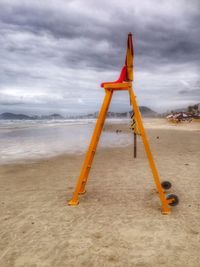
{"x": 21, "y": 140}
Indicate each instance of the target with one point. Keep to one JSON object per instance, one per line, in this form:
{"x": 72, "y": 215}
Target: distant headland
{"x": 145, "y": 111}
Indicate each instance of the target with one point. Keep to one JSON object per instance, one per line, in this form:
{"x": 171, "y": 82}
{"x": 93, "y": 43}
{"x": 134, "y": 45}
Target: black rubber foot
{"x": 174, "y": 199}
{"x": 166, "y": 185}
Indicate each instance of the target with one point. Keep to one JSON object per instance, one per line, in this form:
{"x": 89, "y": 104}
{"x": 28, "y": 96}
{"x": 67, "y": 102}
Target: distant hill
{"x": 52, "y": 117}
{"x": 145, "y": 111}
{"x": 12, "y": 116}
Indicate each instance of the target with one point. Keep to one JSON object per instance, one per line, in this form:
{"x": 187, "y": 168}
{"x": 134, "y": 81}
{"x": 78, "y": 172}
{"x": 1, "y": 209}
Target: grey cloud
{"x": 59, "y": 49}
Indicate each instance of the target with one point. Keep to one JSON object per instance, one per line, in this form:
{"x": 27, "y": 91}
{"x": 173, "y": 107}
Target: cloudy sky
{"x": 54, "y": 54}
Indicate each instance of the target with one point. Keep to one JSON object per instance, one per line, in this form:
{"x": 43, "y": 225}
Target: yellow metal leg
{"x": 80, "y": 187}
{"x": 165, "y": 207}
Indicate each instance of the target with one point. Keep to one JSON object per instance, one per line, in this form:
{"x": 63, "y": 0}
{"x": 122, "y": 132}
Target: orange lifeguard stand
{"x": 123, "y": 83}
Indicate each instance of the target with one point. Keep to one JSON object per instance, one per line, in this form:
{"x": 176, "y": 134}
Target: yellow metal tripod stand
{"x": 123, "y": 83}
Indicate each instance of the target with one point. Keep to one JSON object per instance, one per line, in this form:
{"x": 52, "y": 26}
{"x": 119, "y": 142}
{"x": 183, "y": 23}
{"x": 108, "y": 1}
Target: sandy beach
{"x": 118, "y": 221}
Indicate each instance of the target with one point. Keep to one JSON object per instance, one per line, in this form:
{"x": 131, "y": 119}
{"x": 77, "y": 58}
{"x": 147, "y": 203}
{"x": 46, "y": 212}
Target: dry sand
{"x": 118, "y": 222}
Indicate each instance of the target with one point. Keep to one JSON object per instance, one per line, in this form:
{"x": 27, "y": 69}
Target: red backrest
{"x": 121, "y": 79}
{"x": 122, "y": 76}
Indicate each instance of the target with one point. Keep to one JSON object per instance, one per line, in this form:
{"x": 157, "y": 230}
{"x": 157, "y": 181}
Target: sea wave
{"x": 21, "y": 140}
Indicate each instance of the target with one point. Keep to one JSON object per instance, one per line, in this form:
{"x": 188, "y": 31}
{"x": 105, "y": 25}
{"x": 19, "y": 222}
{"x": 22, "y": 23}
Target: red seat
{"x": 121, "y": 79}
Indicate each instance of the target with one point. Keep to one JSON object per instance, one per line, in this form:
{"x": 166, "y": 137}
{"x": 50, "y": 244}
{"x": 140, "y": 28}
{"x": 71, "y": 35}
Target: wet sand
{"x": 118, "y": 221}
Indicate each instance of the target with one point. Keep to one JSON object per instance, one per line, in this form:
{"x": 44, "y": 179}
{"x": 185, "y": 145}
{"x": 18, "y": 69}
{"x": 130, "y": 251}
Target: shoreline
{"x": 150, "y": 128}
